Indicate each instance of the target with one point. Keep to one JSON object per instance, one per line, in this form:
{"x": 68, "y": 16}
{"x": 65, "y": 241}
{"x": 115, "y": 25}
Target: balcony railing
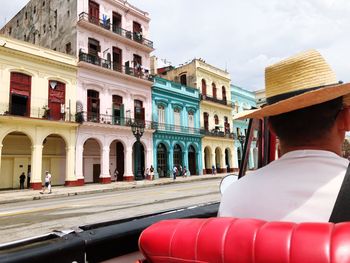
{"x": 216, "y": 100}
{"x": 111, "y": 120}
{"x": 137, "y": 37}
{"x": 36, "y": 113}
{"x": 174, "y": 128}
{"x": 137, "y": 72}
{"x": 218, "y": 133}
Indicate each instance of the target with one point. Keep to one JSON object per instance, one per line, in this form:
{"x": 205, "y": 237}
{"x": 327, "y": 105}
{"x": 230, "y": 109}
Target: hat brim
{"x": 297, "y": 102}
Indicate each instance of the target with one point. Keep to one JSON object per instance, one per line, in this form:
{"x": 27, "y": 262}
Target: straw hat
{"x": 297, "y": 82}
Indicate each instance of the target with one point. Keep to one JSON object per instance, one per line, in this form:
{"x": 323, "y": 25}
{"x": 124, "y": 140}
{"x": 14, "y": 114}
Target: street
{"x": 32, "y": 218}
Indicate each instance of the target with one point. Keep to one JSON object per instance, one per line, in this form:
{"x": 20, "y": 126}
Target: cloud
{"x": 243, "y": 36}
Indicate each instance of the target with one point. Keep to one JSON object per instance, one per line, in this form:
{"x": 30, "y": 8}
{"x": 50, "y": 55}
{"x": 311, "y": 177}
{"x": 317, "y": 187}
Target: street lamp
{"x": 241, "y": 139}
{"x": 138, "y": 130}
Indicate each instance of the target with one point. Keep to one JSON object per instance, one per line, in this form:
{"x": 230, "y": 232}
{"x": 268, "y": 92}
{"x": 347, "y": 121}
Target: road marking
{"x": 28, "y": 211}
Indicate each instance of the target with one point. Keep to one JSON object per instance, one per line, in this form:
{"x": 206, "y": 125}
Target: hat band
{"x": 284, "y": 96}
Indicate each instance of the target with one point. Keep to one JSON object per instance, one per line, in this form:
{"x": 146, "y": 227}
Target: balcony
{"x": 216, "y": 100}
{"x": 217, "y": 133}
{"x": 111, "y": 120}
{"x": 131, "y": 71}
{"x": 174, "y": 128}
{"x": 43, "y": 113}
{"x": 137, "y": 37}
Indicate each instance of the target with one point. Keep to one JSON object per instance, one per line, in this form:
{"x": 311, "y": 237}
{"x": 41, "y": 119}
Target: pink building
{"x": 109, "y": 37}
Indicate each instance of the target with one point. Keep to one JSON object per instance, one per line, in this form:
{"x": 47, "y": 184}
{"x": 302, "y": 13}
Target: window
{"x": 25, "y": 16}
{"x": 216, "y": 119}
{"x": 139, "y": 111}
{"x": 226, "y": 125}
{"x": 93, "y": 106}
{"x": 191, "y": 121}
{"x": 20, "y": 91}
{"x": 137, "y": 65}
{"x": 94, "y": 47}
{"x": 118, "y": 109}
{"x": 34, "y": 11}
{"x": 68, "y": 13}
{"x": 44, "y": 28}
{"x": 17, "y": 23}
{"x": 214, "y": 90}
{"x": 94, "y": 12}
{"x": 10, "y": 31}
{"x": 161, "y": 114}
{"x": 224, "y": 93}
{"x": 183, "y": 79}
{"x": 43, "y": 3}
{"x": 68, "y": 48}
{"x": 177, "y": 118}
{"x": 204, "y": 87}
{"x": 206, "y": 120}
{"x": 56, "y": 100}
{"x": 117, "y": 23}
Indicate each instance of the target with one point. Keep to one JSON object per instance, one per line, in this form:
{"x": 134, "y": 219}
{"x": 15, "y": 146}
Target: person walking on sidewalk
{"x": 174, "y": 172}
{"x": 47, "y": 183}
{"x": 151, "y": 172}
{"x": 22, "y": 178}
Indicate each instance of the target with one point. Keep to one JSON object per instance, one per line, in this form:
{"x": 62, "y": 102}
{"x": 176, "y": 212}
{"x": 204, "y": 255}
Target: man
{"x": 47, "y": 183}
{"x": 307, "y": 110}
{"x": 22, "y": 179}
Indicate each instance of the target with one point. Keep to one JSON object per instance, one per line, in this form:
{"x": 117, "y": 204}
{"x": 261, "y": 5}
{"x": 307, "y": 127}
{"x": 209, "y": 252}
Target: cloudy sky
{"x": 242, "y": 36}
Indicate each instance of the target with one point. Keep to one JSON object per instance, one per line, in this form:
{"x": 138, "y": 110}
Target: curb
{"x": 11, "y": 198}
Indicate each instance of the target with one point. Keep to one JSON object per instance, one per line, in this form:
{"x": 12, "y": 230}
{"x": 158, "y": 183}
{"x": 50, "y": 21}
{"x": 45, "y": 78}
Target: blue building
{"x": 243, "y": 100}
{"x": 176, "y": 117}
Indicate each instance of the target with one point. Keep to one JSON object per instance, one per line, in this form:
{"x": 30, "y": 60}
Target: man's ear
{"x": 344, "y": 119}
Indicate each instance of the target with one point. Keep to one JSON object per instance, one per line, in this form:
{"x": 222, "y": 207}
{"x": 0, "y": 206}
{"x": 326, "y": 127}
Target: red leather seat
{"x": 245, "y": 240}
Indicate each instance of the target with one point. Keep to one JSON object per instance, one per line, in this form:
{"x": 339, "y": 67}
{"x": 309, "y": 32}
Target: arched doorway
{"x": 54, "y": 159}
{"x": 92, "y": 161}
{"x": 192, "y": 160}
{"x": 218, "y": 160}
{"x": 116, "y": 159}
{"x": 162, "y": 160}
{"x": 227, "y": 159}
{"x": 138, "y": 165}
{"x": 177, "y": 156}
{"x": 207, "y": 160}
{"x": 15, "y": 159}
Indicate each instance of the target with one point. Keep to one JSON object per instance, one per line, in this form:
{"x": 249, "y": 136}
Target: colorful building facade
{"x": 216, "y": 111}
{"x": 109, "y": 38}
{"x": 176, "y": 120}
{"x": 243, "y": 100}
{"x": 37, "y": 114}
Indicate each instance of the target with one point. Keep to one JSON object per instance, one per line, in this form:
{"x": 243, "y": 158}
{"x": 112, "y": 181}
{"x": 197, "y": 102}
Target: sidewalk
{"x": 12, "y": 196}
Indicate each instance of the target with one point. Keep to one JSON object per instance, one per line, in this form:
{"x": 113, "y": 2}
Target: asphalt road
{"x": 38, "y": 217}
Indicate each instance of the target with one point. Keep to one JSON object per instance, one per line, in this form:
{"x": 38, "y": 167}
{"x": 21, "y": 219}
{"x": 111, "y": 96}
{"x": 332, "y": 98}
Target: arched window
{"x": 204, "y": 87}
{"x": 183, "y": 79}
{"x": 224, "y": 93}
{"x": 216, "y": 119}
{"x": 214, "y": 90}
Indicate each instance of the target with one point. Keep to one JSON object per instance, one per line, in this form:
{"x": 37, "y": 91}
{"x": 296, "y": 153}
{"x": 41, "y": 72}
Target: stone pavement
{"x": 12, "y": 196}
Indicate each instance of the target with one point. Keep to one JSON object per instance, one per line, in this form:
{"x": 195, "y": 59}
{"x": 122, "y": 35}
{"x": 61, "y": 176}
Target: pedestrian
{"x": 116, "y": 173}
{"x": 213, "y": 169}
{"x": 47, "y": 183}
{"x": 28, "y": 179}
{"x": 151, "y": 172}
{"x": 174, "y": 172}
{"x": 184, "y": 172}
{"x": 22, "y": 178}
{"x": 147, "y": 173}
{"x": 308, "y": 110}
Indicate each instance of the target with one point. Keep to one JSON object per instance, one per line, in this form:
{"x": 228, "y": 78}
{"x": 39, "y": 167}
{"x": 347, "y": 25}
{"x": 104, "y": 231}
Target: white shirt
{"x": 301, "y": 186}
{"x": 48, "y": 178}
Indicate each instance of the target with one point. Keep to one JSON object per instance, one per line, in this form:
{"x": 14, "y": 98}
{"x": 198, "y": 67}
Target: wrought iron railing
{"x": 218, "y": 133}
{"x": 105, "y": 24}
{"x": 175, "y": 128}
{"x": 43, "y": 112}
{"x": 137, "y": 72}
{"x": 111, "y": 120}
{"x": 216, "y": 100}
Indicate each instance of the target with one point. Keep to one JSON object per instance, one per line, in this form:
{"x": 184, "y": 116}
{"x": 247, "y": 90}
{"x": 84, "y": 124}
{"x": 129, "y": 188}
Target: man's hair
{"x": 308, "y": 124}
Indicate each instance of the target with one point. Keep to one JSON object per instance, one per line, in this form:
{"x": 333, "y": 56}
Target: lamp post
{"x": 138, "y": 130}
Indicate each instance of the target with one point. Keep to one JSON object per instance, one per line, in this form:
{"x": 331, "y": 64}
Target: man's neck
{"x": 322, "y": 147}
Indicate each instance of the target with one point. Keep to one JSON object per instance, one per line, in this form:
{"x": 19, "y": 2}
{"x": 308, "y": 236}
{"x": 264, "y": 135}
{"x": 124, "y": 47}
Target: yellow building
{"x": 216, "y": 110}
{"x": 37, "y": 114}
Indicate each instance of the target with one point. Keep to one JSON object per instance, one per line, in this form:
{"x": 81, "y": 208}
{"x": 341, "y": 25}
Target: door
{"x": 192, "y": 160}
{"x": 94, "y": 12}
{"x": 214, "y": 90}
{"x": 117, "y": 108}
{"x": 56, "y": 100}
{"x": 93, "y": 106}
{"x": 206, "y": 121}
{"x": 96, "y": 171}
{"x": 162, "y": 160}
{"x": 120, "y": 161}
{"x": 117, "y": 23}
{"x": 117, "y": 59}
{"x": 139, "y": 112}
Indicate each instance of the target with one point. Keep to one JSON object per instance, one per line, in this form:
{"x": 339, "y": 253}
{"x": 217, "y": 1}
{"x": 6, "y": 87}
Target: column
{"x": 35, "y": 181}
{"x": 71, "y": 179}
{"x": 199, "y": 164}
{"x": 171, "y": 161}
{"x": 235, "y": 158}
{"x": 222, "y": 162}
{"x": 128, "y": 175}
{"x": 185, "y": 158}
{"x": 213, "y": 160}
{"x": 203, "y": 161}
{"x": 79, "y": 162}
{"x": 105, "y": 177}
